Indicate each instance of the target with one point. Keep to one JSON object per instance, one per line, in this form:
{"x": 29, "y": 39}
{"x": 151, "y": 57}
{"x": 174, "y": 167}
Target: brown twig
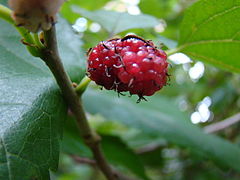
{"x": 212, "y": 128}
{"x": 149, "y": 148}
{"x": 83, "y": 160}
{"x": 51, "y": 57}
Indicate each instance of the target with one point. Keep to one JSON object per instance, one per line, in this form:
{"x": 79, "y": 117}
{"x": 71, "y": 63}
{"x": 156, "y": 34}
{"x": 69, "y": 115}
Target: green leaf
{"x": 157, "y": 8}
{"x": 72, "y": 143}
{"x": 3, "y": 2}
{"x": 210, "y": 32}
{"x": 67, "y": 12}
{"x": 161, "y": 117}
{"x": 116, "y": 22}
{"x": 31, "y": 107}
{"x": 120, "y": 154}
{"x": 149, "y": 158}
{"x": 169, "y": 43}
{"x": 116, "y": 150}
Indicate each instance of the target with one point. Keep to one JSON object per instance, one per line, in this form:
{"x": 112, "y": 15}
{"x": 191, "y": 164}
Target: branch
{"x": 222, "y": 124}
{"x": 51, "y": 57}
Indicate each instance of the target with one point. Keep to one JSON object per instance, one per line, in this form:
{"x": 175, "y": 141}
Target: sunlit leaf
{"x": 67, "y": 12}
{"x": 116, "y": 22}
{"x": 158, "y": 8}
{"x": 210, "y": 32}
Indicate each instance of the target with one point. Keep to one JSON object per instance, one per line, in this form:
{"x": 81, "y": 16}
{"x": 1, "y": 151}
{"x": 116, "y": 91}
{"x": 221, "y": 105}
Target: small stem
{"x": 221, "y": 125}
{"x": 5, "y": 13}
{"x": 32, "y": 47}
{"x": 51, "y": 57}
{"x": 83, "y": 85}
{"x": 149, "y": 148}
{"x": 37, "y": 41}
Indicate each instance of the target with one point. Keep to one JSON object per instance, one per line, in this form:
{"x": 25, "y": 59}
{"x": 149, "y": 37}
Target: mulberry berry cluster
{"x": 128, "y": 64}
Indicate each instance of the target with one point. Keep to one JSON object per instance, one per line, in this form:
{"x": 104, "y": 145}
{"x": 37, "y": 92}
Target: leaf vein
{"x": 5, "y": 150}
{"x": 235, "y": 35}
{"x": 209, "y": 42}
{"x": 211, "y": 18}
{"x": 214, "y": 61}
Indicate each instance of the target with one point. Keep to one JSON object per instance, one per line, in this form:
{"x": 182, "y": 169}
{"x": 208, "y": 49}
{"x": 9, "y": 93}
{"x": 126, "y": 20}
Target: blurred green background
{"x": 162, "y": 135}
{"x": 172, "y": 136}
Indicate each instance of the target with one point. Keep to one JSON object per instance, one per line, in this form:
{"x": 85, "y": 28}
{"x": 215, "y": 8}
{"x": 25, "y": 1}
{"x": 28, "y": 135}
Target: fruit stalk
{"x": 51, "y": 57}
{"x": 82, "y": 86}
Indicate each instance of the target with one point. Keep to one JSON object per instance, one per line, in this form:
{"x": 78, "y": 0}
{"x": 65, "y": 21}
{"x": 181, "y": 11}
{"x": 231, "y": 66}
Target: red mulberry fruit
{"x": 128, "y": 64}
